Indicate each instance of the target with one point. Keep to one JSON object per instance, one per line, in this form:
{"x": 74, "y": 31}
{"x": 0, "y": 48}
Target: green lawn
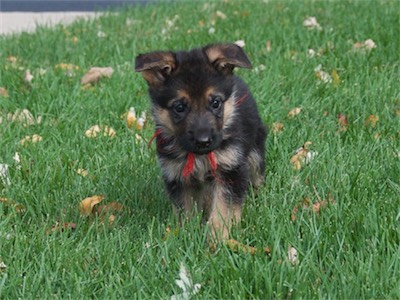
{"x": 349, "y": 249}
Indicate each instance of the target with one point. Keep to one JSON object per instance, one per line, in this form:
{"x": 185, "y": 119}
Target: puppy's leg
{"x": 256, "y": 158}
{"x": 226, "y": 202}
{"x": 181, "y": 198}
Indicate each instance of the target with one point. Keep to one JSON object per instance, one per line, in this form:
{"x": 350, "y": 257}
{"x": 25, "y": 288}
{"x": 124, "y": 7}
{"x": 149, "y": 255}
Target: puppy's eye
{"x": 215, "y": 102}
{"x": 179, "y": 106}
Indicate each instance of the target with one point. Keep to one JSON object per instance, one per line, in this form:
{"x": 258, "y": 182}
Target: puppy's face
{"x": 192, "y": 92}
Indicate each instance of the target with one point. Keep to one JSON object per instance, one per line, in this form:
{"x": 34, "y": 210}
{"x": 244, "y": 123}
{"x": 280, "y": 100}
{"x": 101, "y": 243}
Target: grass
{"x": 349, "y": 250}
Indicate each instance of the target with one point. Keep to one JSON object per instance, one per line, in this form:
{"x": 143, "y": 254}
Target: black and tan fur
{"x": 200, "y": 107}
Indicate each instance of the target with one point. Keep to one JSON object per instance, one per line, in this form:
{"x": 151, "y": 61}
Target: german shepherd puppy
{"x": 210, "y": 138}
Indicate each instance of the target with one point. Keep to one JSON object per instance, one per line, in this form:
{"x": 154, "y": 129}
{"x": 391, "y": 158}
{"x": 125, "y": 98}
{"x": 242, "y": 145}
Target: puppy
{"x": 209, "y": 135}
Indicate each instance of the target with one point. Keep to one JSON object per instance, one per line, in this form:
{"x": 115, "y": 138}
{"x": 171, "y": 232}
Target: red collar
{"x": 190, "y": 158}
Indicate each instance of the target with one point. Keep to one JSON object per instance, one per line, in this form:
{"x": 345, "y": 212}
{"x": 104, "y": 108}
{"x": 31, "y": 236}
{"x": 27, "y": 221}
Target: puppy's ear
{"x": 155, "y": 66}
{"x": 225, "y": 57}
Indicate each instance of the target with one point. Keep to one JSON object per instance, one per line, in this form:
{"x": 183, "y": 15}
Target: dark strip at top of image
{"x": 64, "y": 5}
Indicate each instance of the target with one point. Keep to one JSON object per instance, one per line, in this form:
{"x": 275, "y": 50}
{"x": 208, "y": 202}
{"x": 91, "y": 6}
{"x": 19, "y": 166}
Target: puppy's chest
{"x": 176, "y": 168}
{"x": 202, "y": 167}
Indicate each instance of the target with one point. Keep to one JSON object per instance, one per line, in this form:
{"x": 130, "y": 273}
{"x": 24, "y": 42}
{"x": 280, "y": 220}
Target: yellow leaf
{"x": 277, "y": 127}
{"x": 12, "y": 59}
{"x": 131, "y": 117}
{"x": 67, "y": 67}
{"x": 87, "y": 204}
{"x": 302, "y": 155}
{"x": 95, "y": 73}
{"x": 93, "y": 131}
{"x": 294, "y": 112}
{"x": 371, "y": 120}
{"x": 335, "y": 77}
{"x": 31, "y": 139}
{"x": 237, "y": 246}
{"x": 82, "y": 172}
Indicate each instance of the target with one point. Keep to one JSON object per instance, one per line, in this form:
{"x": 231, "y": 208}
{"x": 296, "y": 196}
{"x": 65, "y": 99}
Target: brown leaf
{"x": 31, "y": 139}
{"x": 237, "y": 246}
{"x": 95, "y": 73}
{"x": 294, "y": 112}
{"x": 301, "y": 156}
{"x": 131, "y": 117}
{"x": 3, "y": 92}
{"x": 342, "y": 120}
{"x": 62, "y": 227}
{"x": 316, "y": 207}
{"x": 18, "y": 207}
{"x": 93, "y": 131}
{"x": 371, "y": 120}
{"x": 277, "y": 127}
{"x": 107, "y": 208}
{"x": 87, "y": 204}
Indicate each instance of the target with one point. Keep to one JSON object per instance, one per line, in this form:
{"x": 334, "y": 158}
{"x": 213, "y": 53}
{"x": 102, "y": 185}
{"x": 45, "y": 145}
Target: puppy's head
{"x": 193, "y": 92}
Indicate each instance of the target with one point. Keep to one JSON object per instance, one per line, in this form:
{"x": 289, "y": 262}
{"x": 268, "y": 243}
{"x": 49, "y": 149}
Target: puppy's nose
{"x": 203, "y": 141}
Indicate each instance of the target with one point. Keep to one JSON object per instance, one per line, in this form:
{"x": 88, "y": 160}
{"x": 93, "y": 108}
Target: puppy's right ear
{"x": 155, "y": 66}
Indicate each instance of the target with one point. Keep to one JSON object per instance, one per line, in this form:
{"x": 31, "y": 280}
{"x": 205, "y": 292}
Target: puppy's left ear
{"x": 156, "y": 67}
{"x": 225, "y": 57}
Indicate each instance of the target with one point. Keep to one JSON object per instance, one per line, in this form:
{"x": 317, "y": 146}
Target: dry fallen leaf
{"x": 12, "y": 59}
{"x": 3, "y": 266}
{"x": 371, "y": 120}
{"x": 240, "y": 43}
{"x": 87, "y": 204}
{"x": 220, "y": 15}
{"x": 31, "y": 139}
{"x": 294, "y": 112}
{"x": 303, "y": 155}
{"x": 19, "y": 208}
{"x": 293, "y": 256}
{"x": 82, "y": 172}
{"x": 268, "y": 46}
{"x": 277, "y": 127}
{"x": 342, "y": 120}
{"x": 3, "y": 92}
{"x": 23, "y": 116}
{"x": 315, "y": 207}
{"x": 96, "y": 129}
{"x": 62, "y": 227}
{"x": 322, "y": 75}
{"x": 335, "y": 77}
{"x": 107, "y": 208}
{"x": 141, "y": 121}
{"x": 28, "y": 77}
{"x": 131, "y": 117}
{"x": 68, "y": 68}
{"x": 237, "y": 246}
{"x": 365, "y": 46}
{"x": 311, "y": 23}
{"x": 95, "y": 73}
